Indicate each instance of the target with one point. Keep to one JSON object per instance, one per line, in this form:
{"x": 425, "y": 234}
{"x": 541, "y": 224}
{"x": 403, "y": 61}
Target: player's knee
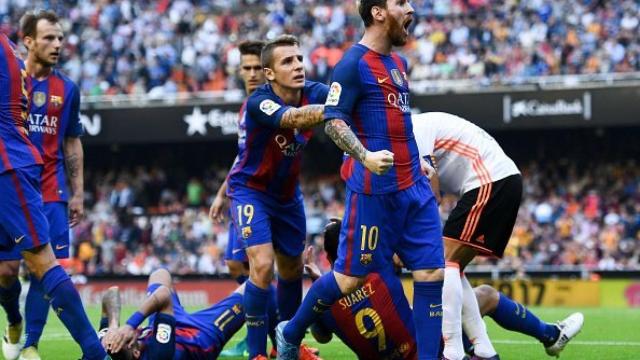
{"x": 487, "y": 297}
{"x": 161, "y": 276}
{"x": 261, "y": 272}
{"x": 39, "y": 260}
{"x": 428, "y": 275}
{"x": 9, "y": 271}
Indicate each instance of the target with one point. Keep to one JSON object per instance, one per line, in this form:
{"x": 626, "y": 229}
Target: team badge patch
{"x": 365, "y": 259}
{"x": 397, "y": 77}
{"x": 269, "y": 106}
{"x": 55, "y": 100}
{"x": 39, "y": 98}
{"x": 333, "y": 98}
{"x": 246, "y": 232}
{"x": 163, "y": 334}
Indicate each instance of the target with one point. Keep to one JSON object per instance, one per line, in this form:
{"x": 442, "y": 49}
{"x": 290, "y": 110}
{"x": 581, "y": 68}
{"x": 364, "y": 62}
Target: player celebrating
{"x": 266, "y": 201}
{"x": 376, "y": 322}
{"x": 54, "y": 128}
{"x": 23, "y": 224}
{"x": 473, "y": 166}
{"x": 173, "y": 334}
{"x": 389, "y": 204}
{"x": 235, "y": 255}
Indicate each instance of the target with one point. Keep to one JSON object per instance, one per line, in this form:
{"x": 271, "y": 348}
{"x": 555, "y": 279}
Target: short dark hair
{"x": 331, "y": 236}
{"x": 266, "y": 57}
{"x": 29, "y": 21}
{"x": 364, "y": 8}
{"x": 251, "y": 47}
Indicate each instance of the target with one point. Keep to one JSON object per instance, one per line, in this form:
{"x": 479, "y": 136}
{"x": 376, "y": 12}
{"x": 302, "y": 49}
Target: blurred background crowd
{"x": 165, "y": 47}
{"x": 141, "y": 219}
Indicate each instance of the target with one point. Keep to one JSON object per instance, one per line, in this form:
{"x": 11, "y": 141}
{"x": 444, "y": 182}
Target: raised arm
{"x": 158, "y": 302}
{"x": 378, "y": 162}
{"x": 303, "y": 117}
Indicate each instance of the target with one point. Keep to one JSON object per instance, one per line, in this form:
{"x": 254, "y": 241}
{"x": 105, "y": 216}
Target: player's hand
{"x": 309, "y": 265}
{"x": 378, "y": 162}
{"x": 109, "y": 338}
{"x": 76, "y": 209}
{"x": 216, "y": 212}
{"x": 427, "y": 169}
{"x": 125, "y": 335}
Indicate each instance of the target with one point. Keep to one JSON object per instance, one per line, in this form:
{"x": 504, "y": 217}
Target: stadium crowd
{"x": 138, "y": 220}
{"x": 164, "y": 47}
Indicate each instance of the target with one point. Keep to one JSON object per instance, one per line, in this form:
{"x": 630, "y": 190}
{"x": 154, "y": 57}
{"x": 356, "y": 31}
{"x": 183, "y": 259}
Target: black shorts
{"x": 484, "y": 217}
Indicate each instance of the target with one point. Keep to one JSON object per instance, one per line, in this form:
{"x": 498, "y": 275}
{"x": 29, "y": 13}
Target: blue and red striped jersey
{"x": 54, "y": 115}
{"x": 375, "y": 321}
{"x": 16, "y": 150}
{"x": 269, "y": 157}
{"x": 370, "y": 92}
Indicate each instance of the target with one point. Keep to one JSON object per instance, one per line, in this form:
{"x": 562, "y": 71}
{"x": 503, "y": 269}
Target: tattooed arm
{"x": 378, "y": 162}
{"x": 74, "y": 157}
{"x": 303, "y": 117}
{"x": 111, "y": 306}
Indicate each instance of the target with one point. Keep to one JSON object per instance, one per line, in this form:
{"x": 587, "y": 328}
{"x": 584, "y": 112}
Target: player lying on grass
{"x": 173, "y": 333}
{"x": 376, "y": 322}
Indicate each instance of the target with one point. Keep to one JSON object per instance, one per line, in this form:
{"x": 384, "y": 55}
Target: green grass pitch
{"x": 611, "y": 334}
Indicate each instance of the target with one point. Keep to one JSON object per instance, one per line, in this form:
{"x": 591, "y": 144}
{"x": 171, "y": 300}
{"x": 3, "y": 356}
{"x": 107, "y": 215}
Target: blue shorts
{"x": 235, "y": 246}
{"x": 374, "y": 227}
{"x": 23, "y": 224}
{"x": 58, "y": 218}
{"x": 260, "y": 219}
{"x": 215, "y": 325}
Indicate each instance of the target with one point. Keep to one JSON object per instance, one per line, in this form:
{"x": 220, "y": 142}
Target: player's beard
{"x": 396, "y": 32}
{"x": 46, "y": 62}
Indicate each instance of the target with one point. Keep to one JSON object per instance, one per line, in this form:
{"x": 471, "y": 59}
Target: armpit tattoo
{"x": 303, "y": 117}
{"x": 346, "y": 140}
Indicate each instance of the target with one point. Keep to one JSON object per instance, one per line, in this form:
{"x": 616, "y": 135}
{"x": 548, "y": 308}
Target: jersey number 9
{"x": 378, "y": 328}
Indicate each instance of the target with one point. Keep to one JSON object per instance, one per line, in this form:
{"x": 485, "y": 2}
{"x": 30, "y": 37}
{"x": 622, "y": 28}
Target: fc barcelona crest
{"x": 366, "y": 259}
{"x": 397, "y": 77}
{"x": 56, "y": 101}
{"x": 39, "y": 98}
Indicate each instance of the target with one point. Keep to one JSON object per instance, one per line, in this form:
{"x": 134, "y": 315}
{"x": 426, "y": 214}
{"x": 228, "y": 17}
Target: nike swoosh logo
{"x": 434, "y": 306}
{"x": 60, "y": 247}
{"x": 236, "y": 251}
{"x": 381, "y": 80}
{"x": 18, "y": 240}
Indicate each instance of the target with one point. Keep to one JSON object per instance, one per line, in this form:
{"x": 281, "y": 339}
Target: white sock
{"x": 452, "y": 312}
{"x": 472, "y": 322}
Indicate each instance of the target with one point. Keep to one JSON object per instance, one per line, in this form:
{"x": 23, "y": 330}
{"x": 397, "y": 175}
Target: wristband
{"x": 136, "y": 319}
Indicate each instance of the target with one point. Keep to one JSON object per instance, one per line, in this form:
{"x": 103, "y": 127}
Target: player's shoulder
{"x": 317, "y": 91}
{"x": 65, "y": 79}
{"x": 261, "y": 92}
{"x": 353, "y": 57}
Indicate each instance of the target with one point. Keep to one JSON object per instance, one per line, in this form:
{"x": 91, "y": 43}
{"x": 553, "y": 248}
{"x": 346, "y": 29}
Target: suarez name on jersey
{"x": 370, "y": 92}
{"x": 375, "y": 321}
